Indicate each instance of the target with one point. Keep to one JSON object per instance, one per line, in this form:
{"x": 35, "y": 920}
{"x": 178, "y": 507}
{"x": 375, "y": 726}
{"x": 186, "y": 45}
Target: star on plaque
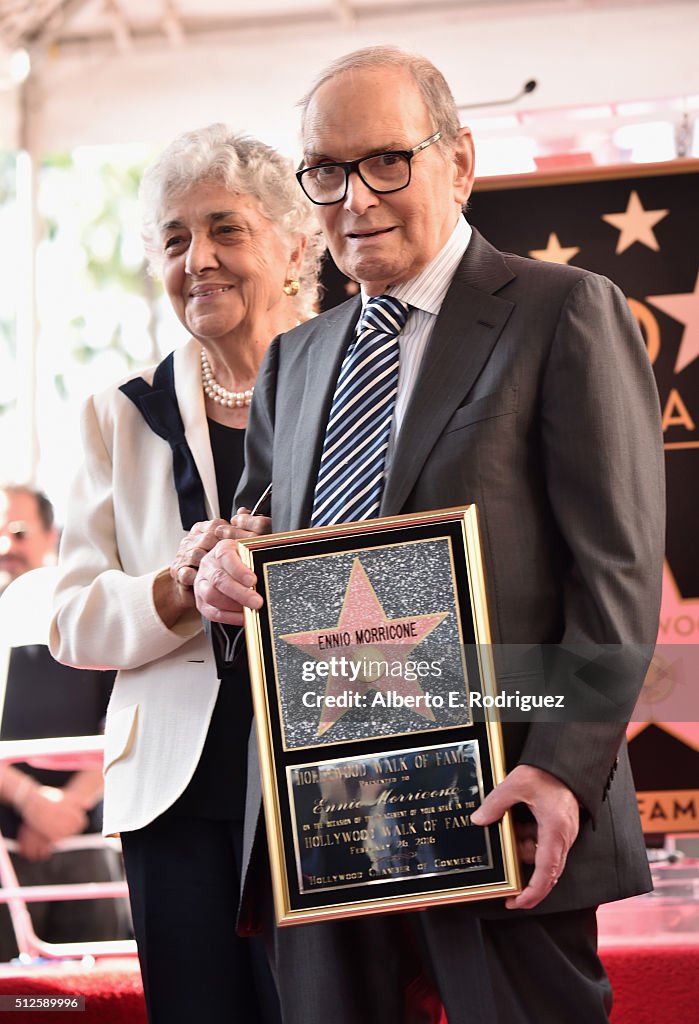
{"x": 554, "y": 251}
{"x": 635, "y": 224}
{"x": 365, "y": 637}
{"x": 683, "y": 307}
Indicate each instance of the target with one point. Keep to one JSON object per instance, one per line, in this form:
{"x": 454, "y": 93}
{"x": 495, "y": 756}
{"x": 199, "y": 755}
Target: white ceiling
{"x": 123, "y": 23}
{"x": 143, "y": 70}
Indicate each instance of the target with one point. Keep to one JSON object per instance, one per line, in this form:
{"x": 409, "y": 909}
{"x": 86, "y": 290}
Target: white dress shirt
{"x": 425, "y": 295}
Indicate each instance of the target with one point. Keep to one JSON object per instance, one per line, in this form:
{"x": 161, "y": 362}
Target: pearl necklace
{"x": 214, "y": 391}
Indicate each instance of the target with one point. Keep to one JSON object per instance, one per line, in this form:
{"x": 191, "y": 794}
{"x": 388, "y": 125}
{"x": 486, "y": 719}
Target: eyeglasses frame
{"x": 352, "y": 166}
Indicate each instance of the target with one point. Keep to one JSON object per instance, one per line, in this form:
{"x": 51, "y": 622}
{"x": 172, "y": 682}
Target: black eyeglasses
{"x": 326, "y": 183}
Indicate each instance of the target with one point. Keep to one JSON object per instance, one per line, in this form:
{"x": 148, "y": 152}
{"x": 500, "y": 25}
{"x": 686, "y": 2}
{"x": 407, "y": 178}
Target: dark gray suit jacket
{"x": 535, "y": 400}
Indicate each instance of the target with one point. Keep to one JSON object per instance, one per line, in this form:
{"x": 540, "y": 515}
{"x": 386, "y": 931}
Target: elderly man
{"x": 523, "y": 387}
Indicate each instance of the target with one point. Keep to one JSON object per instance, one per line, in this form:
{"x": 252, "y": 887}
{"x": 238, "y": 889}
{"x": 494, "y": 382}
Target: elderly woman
{"x": 236, "y": 245}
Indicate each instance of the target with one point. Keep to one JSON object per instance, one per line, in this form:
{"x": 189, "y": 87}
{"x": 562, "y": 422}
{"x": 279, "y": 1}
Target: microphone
{"x": 528, "y": 87}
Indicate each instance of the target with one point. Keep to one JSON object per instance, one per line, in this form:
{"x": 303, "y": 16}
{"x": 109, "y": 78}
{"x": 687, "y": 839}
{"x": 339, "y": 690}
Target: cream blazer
{"x": 122, "y": 528}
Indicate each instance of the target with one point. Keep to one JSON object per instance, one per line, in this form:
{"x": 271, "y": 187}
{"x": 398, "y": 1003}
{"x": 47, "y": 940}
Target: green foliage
{"x": 92, "y": 283}
{"x": 90, "y": 204}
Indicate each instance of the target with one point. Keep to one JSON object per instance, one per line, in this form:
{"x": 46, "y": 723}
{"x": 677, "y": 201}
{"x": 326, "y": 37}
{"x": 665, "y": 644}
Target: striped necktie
{"x": 350, "y": 478}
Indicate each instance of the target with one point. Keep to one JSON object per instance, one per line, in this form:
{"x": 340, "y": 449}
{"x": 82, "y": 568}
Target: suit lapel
{"x": 467, "y": 328}
{"x": 325, "y": 350}
{"x": 190, "y": 398}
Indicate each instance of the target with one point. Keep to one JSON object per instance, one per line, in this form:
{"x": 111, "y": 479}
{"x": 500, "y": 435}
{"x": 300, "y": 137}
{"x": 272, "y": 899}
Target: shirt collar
{"x": 427, "y": 289}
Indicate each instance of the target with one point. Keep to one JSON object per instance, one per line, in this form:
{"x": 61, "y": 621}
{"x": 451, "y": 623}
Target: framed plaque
{"x": 373, "y": 688}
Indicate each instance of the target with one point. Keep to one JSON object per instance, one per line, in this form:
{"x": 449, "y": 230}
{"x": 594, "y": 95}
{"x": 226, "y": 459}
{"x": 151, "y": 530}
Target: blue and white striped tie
{"x": 350, "y": 478}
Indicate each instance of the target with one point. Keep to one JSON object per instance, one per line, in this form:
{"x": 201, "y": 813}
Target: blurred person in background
{"x": 28, "y": 536}
{"x": 238, "y": 249}
{"x": 40, "y": 808}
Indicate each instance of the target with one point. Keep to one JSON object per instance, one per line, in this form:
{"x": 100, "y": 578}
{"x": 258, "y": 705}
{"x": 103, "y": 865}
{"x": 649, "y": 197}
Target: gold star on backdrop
{"x": 669, "y": 693}
{"x": 635, "y": 224}
{"x": 685, "y": 308}
{"x": 554, "y": 252}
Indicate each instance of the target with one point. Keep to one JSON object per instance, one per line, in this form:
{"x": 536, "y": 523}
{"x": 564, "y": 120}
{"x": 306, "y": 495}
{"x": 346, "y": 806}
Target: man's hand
{"x": 54, "y": 813}
{"x": 544, "y": 844}
{"x": 32, "y": 845}
{"x": 244, "y": 525}
{"x": 223, "y": 586}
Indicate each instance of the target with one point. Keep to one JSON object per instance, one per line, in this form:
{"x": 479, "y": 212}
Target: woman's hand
{"x": 200, "y": 539}
{"x": 172, "y": 590}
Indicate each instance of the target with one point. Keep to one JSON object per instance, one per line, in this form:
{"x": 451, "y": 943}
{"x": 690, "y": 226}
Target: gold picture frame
{"x": 369, "y": 663}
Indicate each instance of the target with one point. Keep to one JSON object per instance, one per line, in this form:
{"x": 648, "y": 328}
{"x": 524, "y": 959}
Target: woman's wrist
{"x": 171, "y": 600}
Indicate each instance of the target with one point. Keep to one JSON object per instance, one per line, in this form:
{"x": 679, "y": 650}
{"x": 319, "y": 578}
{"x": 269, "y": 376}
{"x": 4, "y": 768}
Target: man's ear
{"x": 51, "y": 550}
{"x": 464, "y": 166}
